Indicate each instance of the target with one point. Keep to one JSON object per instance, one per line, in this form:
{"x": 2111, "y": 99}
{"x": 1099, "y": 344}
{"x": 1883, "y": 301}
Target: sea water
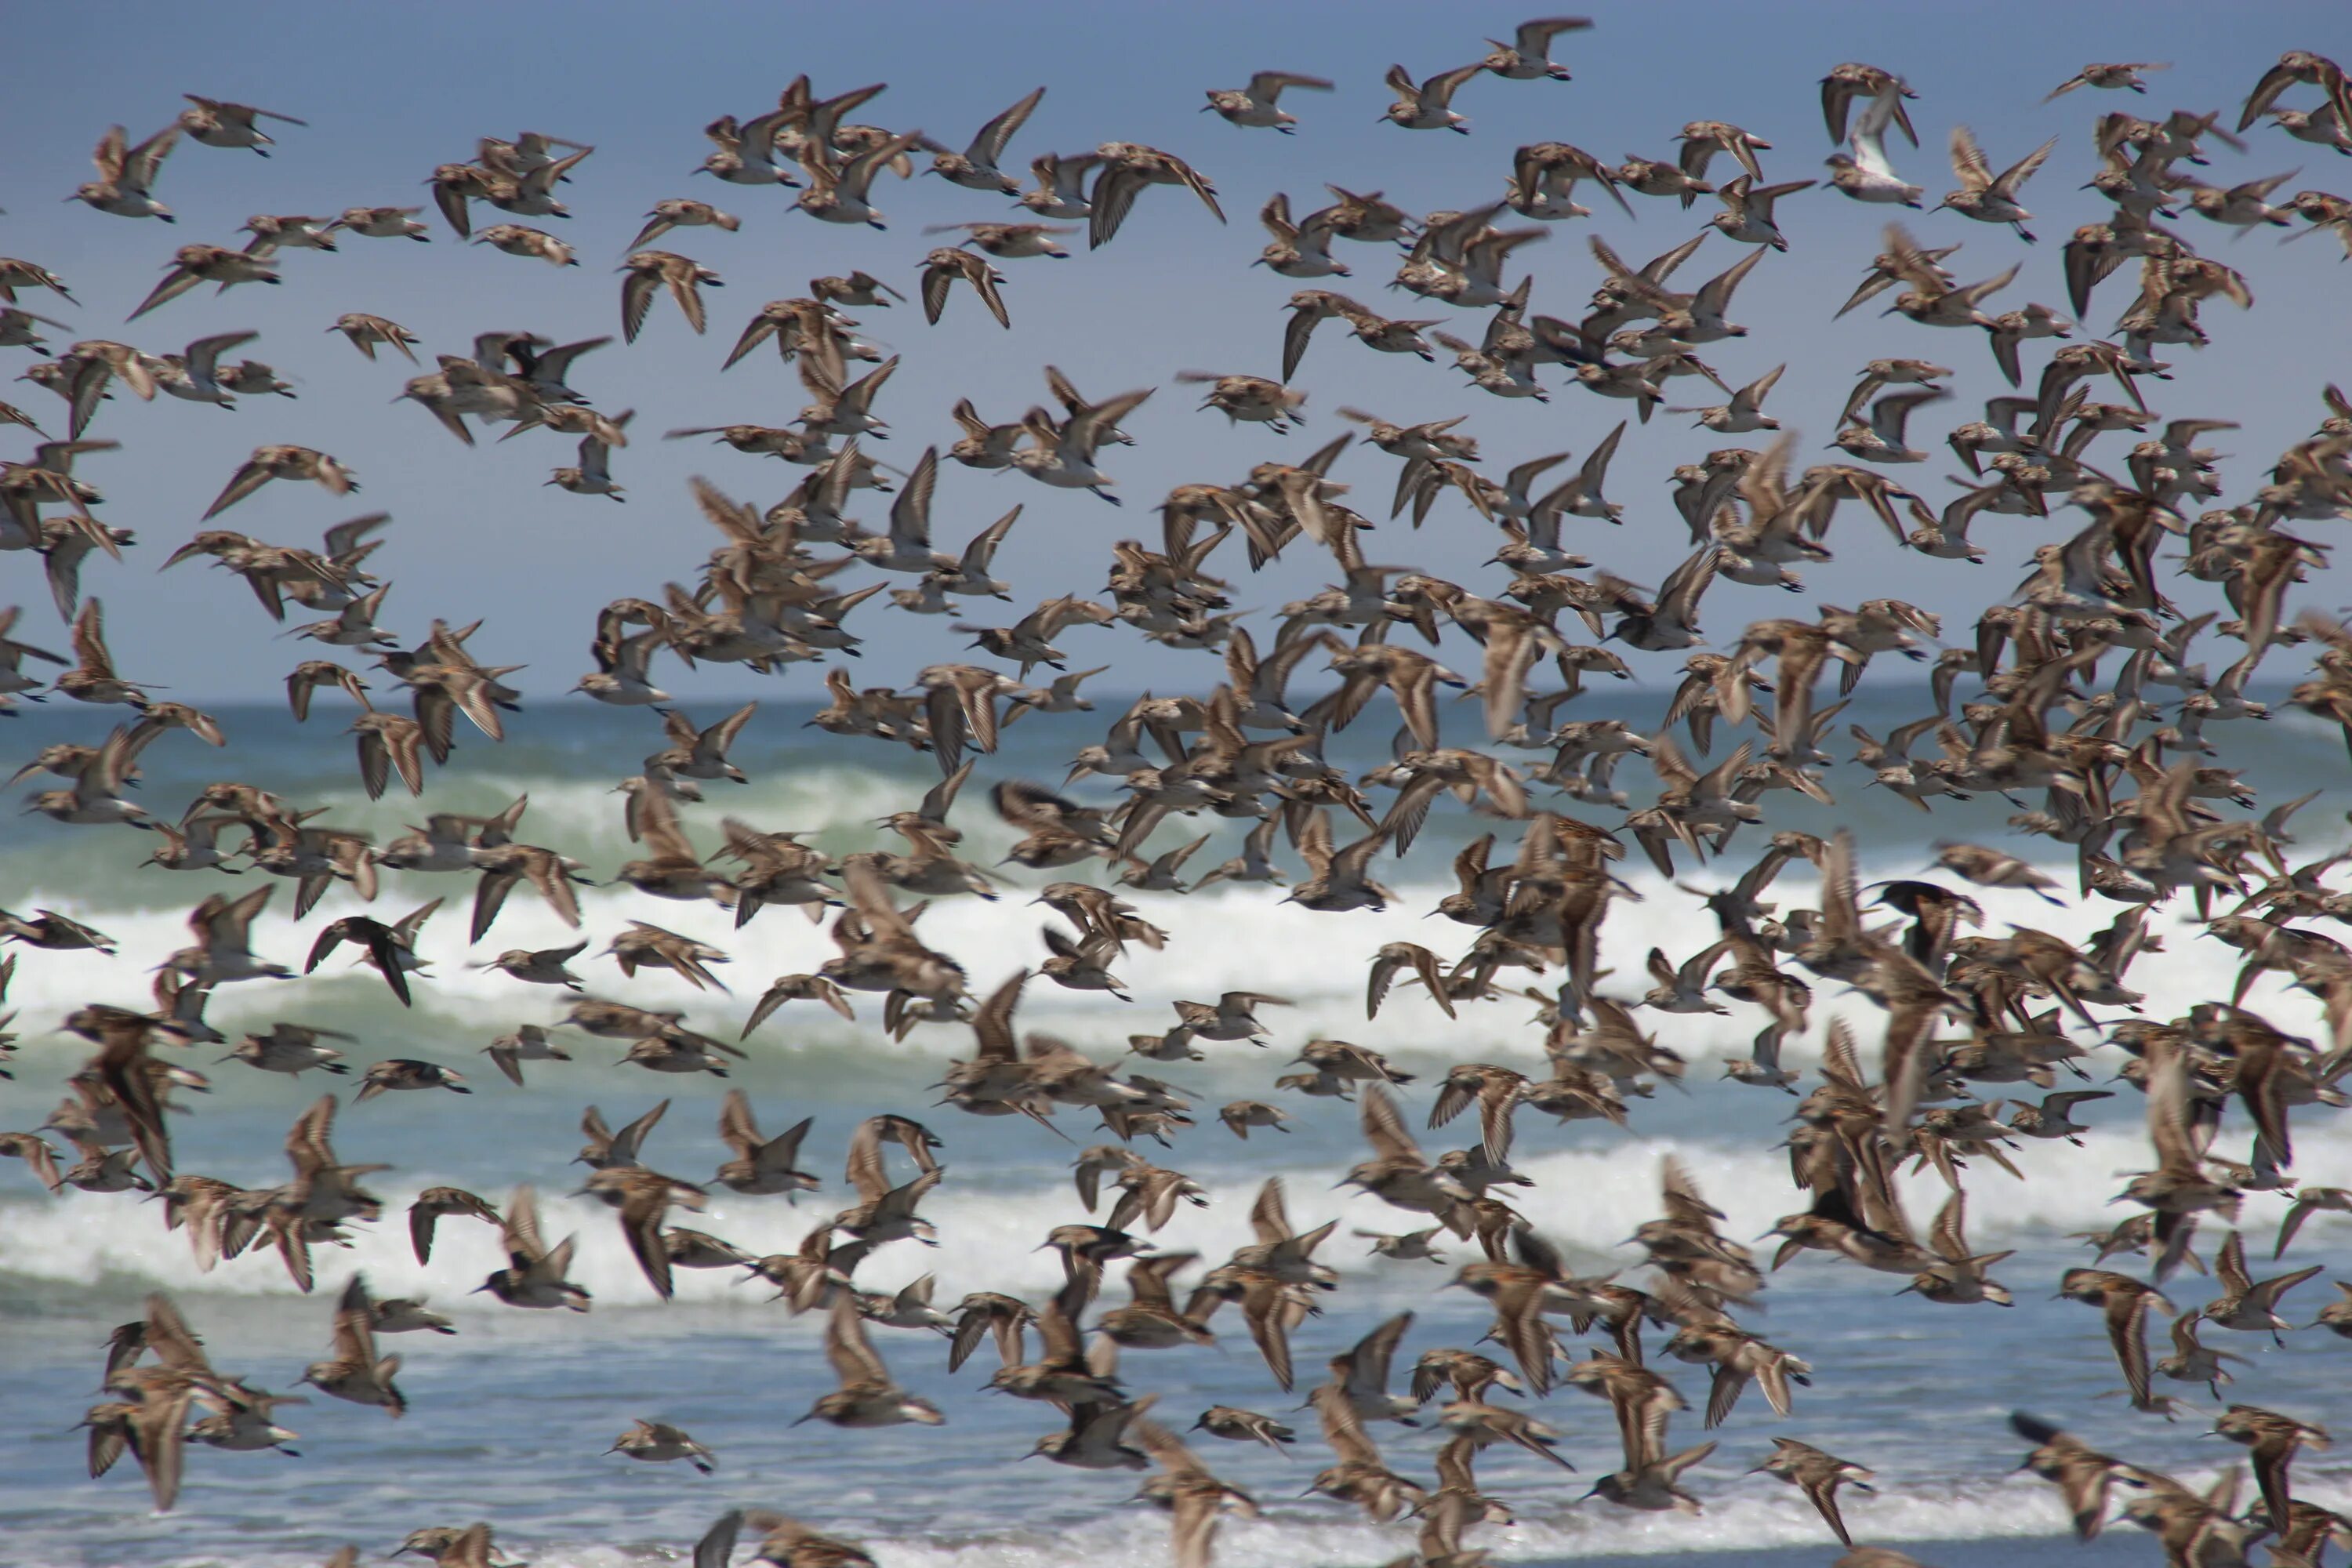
{"x": 510, "y": 1417}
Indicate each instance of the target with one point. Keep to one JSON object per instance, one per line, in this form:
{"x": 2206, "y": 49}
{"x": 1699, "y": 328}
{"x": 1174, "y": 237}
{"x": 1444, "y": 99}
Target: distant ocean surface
{"x": 1919, "y": 1393}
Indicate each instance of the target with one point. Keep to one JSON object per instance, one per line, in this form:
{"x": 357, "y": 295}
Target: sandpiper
{"x": 656, "y": 1442}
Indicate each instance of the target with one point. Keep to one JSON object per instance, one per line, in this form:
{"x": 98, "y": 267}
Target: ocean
{"x": 510, "y": 1417}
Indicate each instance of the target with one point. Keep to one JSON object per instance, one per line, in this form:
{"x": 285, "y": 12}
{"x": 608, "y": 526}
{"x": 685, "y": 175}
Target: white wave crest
{"x": 1589, "y": 1197}
{"x": 1228, "y": 939}
{"x": 1976, "y": 1525}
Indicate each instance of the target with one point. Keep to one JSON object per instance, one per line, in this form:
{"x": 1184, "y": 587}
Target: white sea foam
{"x": 1589, "y": 1197}
{"x": 1596, "y": 1183}
{"x": 1755, "y": 1516}
{"x": 1228, "y": 938}
{"x": 1739, "y": 1515}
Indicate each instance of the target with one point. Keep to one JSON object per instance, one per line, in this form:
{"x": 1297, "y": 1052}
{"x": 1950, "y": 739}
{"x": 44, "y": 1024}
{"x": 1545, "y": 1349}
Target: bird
{"x": 946, "y": 265}
{"x": 365, "y": 331}
{"x": 195, "y": 264}
{"x": 2112, "y": 75}
{"x": 783, "y": 1540}
{"x": 406, "y": 1073}
{"x": 535, "y": 1273}
{"x": 761, "y": 1165}
{"x": 282, "y": 462}
{"x": 1866, "y": 174}
{"x": 975, "y": 168}
{"x": 356, "y": 1373}
{"x": 1427, "y": 105}
{"x": 1986, "y": 197}
{"x": 681, "y": 212}
{"x": 1818, "y": 1474}
{"x": 127, "y": 173}
{"x": 651, "y": 269}
{"x": 658, "y": 1442}
{"x": 2125, "y": 1301}
{"x": 866, "y": 1396}
{"x": 216, "y": 122}
{"x": 1528, "y": 57}
{"x": 1256, "y": 105}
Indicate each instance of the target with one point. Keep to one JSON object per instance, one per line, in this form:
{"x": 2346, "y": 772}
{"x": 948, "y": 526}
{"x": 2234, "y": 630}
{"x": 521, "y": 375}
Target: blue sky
{"x": 390, "y": 92}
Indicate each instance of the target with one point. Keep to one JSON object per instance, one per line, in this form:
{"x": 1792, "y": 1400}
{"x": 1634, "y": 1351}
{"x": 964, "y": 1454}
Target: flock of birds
{"x": 2078, "y": 697}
